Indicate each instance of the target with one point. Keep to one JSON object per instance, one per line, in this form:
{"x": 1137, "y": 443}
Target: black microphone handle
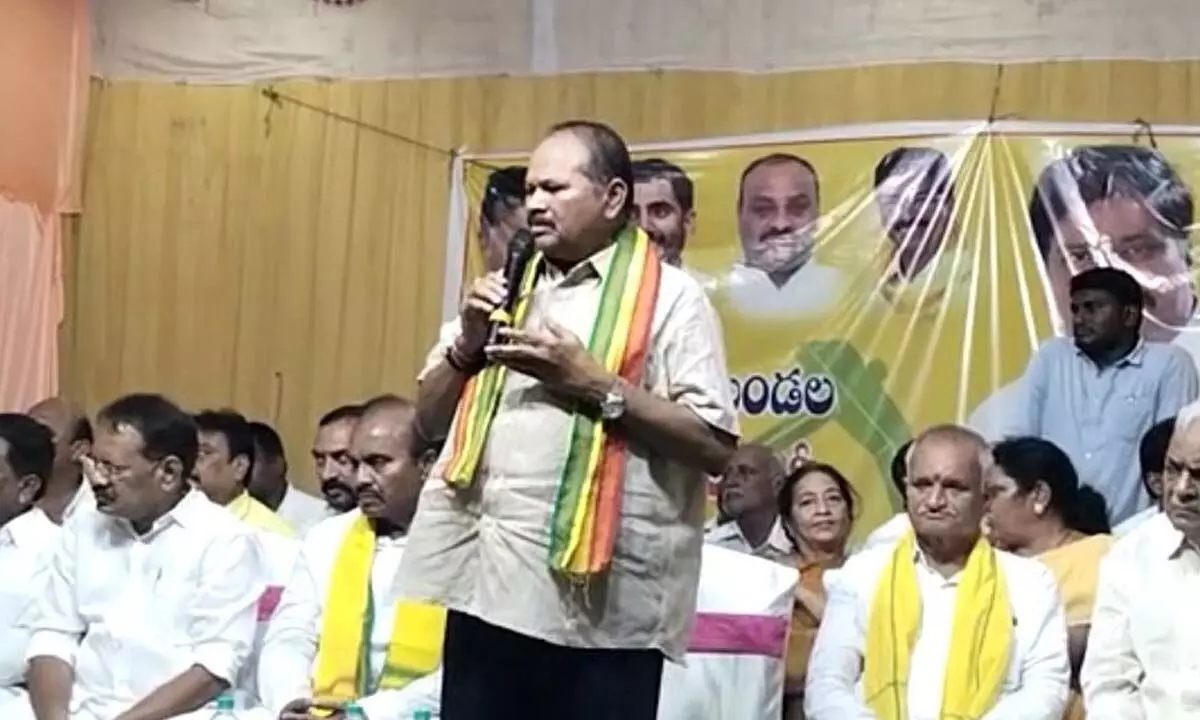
{"x": 493, "y": 337}
{"x": 520, "y": 251}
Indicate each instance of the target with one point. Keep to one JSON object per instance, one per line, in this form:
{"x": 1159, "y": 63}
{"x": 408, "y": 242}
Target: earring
{"x": 1039, "y": 509}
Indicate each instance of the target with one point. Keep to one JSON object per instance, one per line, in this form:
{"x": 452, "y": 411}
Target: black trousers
{"x": 489, "y": 673}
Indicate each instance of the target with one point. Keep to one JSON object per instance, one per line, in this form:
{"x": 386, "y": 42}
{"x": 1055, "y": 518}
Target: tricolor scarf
{"x": 981, "y": 636}
{"x": 343, "y": 667}
{"x": 584, "y": 522}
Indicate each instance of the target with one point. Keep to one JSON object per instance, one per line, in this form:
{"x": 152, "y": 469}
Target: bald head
{"x": 956, "y": 439}
{"x": 751, "y": 480}
{"x": 389, "y": 416}
{"x": 391, "y": 407}
{"x": 72, "y": 432}
{"x": 764, "y": 456}
{"x": 58, "y": 414}
{"x": 944, "y": 492}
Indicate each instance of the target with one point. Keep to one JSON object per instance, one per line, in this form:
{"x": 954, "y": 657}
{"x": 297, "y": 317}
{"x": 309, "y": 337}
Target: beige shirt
{"x": 484, "y": 551}
{"x": 729, "y": 536}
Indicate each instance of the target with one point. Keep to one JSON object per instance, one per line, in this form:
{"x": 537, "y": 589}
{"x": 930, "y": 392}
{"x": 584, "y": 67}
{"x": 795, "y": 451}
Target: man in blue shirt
{"x": 1096, "y": 394}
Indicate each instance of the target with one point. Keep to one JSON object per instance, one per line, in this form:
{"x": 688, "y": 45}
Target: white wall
{"x": 239, "y": 40}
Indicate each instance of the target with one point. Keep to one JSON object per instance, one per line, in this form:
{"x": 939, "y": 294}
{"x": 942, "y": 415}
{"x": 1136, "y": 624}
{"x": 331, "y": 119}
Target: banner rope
{"x": 277, "y": 99}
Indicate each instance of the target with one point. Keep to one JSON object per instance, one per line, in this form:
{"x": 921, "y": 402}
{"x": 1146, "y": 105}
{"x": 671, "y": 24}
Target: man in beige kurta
{"x": 520, "y": 639}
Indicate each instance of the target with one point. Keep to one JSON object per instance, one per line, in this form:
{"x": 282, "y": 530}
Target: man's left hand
{"x": 305, "y": 709}
{"x": 555, "y": 356}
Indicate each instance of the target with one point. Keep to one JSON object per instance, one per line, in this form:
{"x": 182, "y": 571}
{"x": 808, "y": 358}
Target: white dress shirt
{"x": 303, "y": 511}
{"x": 1038, "y": 672}
{"x": 812, "y": 291}
{"x": 25, "y": 542}
{"x": 1135, "y": 521}
{"x": 279, "y": 556}
{"x": 887, "y": 534}
{"x": 1143, "y": 655}
{"x": 290, "y": 650}
{"x": 729, "y": 535}
{"x": 132, "y": 612}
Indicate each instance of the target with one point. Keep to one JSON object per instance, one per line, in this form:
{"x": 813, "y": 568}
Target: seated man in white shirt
{"x": 315, "y": 655}
{"x": 269, "y": 483}
{"x": 749, "y": 514}
{"x": 331, "y": 458}
{"x": 224, "y": 466}
{"x": 149, "y": 608}
{"x": 940, "y": 624}
{"x": 26, "y": 462}
{"x": 65, "y": 490}
{"x": 1143, "y": 655}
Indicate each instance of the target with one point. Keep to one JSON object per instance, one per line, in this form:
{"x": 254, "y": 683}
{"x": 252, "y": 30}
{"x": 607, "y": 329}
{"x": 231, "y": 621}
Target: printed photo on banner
{"x": 871, "y": 281}
{"x": 1106, "y": 204}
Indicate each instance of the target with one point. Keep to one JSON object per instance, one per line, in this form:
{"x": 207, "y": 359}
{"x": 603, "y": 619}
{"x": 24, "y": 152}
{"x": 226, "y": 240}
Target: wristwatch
{"x": 612, "y": 407}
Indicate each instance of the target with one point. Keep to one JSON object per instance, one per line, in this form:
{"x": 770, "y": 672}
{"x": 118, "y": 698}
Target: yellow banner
{"x": 872, "y": 281}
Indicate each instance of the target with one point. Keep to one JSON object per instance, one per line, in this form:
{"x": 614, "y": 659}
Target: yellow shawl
{"x": 343, "y": 667}
{"x": 980, "y": 639}
{"x": 255, "y": 514}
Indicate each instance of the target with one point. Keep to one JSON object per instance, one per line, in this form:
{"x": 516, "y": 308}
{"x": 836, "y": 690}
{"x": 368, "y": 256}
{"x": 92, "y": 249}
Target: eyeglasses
{"x": 1172, "y": 474}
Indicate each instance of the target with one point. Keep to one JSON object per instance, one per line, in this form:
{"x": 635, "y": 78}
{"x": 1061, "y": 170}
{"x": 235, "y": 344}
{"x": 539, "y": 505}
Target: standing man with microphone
{"x": 561, "y": 526}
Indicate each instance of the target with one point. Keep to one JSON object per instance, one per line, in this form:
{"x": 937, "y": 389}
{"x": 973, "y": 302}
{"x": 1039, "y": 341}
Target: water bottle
{"x": 224, "y": 707}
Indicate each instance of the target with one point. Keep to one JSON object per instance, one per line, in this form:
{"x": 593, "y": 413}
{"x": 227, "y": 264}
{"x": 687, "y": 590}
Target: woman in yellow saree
{"x": 1037, "y": 507}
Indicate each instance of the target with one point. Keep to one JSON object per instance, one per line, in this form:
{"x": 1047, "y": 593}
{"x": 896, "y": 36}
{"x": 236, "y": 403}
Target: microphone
{"x": 520, "y": 252}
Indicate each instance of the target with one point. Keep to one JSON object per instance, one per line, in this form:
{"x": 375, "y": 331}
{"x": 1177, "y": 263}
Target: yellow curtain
{"x": 278, "y": 260}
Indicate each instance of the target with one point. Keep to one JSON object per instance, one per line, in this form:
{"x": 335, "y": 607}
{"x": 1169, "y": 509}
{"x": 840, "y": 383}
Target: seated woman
{"x": 1038, "y": 508}
{"x": 816, "y": 505}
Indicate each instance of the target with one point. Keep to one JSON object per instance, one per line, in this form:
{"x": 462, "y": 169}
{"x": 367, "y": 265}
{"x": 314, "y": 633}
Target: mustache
{"x": 332, "y": 486}
{"x": 800, "y": 237}
{"x": 788, "y": 234}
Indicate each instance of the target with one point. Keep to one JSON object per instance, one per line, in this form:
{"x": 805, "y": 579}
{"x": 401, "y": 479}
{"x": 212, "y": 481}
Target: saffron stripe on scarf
{"x": 613, "y": 327}
{"x": 579, "y": 471}
{"x": 632, "y": 369}
{"x": 580, "y": 523}
{"x": 480, "y": 398}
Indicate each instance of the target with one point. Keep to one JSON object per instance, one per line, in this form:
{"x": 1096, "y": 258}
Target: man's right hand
{"x": 486, "y": 295}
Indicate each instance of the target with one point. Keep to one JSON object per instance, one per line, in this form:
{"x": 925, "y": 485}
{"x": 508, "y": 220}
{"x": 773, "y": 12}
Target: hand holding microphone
{"x": 520, "y": 252}
{"x": 489, "y": 304}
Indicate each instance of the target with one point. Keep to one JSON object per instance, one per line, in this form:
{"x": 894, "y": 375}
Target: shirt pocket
{"x": 1131, "y": 412}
